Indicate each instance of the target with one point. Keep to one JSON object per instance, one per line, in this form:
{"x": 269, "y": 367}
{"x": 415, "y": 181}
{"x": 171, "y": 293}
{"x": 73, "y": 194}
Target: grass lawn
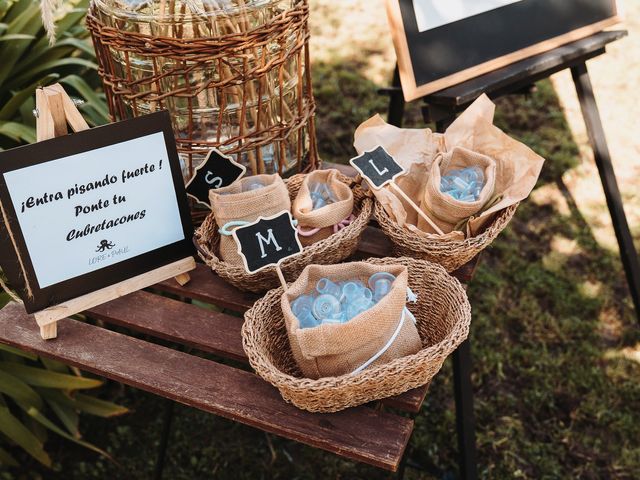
{"x": 555, "y": 340}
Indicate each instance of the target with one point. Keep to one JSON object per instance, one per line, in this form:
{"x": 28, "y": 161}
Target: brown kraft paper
{"x": 517, "y": 166}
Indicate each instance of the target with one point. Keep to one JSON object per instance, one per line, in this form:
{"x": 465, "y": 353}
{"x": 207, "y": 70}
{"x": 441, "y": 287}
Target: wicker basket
{"x": 443, "y": 314}
{"x": 451, "y": 254}
{"x": 333, "y": 249}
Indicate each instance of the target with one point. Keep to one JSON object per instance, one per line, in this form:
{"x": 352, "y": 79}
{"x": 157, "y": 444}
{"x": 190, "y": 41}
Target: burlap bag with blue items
{"x": 237, "y": 203}
{"x": 320, "y": 223}
{"x": 447, "y": 212}
{"x": 332, "y": 350}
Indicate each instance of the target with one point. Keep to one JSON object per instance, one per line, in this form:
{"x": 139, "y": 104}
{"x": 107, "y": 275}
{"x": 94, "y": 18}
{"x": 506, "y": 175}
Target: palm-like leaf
{"x": 29, "y": 61}
{"x": 38, "y": 395}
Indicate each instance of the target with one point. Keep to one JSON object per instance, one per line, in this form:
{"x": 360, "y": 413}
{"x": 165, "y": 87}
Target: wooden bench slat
{"x": 207, "y": 287}
{"x": 362, "y": 434}
{"x": 410, "y": 401}
{"x": 202, "y": 329}
{"x": 175, "y": 321}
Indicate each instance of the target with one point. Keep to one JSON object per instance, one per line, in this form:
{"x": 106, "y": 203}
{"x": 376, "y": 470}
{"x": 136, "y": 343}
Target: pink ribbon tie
{"x": 344, "y": 223}
{"x": 336, "y": 228}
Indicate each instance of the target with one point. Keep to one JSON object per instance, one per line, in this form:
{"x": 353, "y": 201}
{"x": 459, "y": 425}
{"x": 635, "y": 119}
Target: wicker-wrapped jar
{"x": 234, "y": 75}
{"x": 334, "y": 249}
{"x": 450, "y": 253}
{"x": 443, "y": 316}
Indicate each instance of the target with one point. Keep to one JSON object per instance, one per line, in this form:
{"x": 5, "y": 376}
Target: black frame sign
{"x": 89, "y": 210}
{"x": 440, "y": 43}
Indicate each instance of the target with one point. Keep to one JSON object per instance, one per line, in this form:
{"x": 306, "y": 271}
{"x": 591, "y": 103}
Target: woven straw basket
{"x": 451, "y": 254}
{"x": 333, "y": 249}
{"x": 443, "y": 316}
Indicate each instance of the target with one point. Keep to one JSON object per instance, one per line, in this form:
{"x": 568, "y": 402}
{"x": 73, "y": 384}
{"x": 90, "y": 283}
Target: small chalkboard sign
{"x": 377, "y": 167}
{"x": 267, "y": 241}
{"x": 218, "y": 170}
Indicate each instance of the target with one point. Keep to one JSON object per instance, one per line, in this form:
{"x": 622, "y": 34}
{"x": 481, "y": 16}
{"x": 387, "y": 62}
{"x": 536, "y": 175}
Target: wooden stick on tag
{"x": 421, "y": 212}
{"x": 281, "y": 277}
{"x": 379, "y": 169}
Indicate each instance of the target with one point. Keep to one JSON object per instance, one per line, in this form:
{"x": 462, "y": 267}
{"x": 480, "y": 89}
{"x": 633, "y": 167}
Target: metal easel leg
{"x": 602, "y": 157}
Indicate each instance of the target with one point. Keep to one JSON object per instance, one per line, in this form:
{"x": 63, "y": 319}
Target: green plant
{"x": 38, "y": 395}
{"x": 29, "y": 61}
{"x": 32, "y": 388}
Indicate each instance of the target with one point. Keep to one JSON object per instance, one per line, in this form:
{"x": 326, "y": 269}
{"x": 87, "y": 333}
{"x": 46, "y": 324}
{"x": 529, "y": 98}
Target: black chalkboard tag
{"x": 217, "y": 170}
{"x": 377, "y": 167}
{"x": 268, "y": 241}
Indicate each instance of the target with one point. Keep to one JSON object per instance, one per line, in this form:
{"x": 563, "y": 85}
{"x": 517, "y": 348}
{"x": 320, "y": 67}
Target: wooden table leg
{"x": 164, "y": 439}
{"x": 602, "y": 157}
{"x": 465, "y": 419}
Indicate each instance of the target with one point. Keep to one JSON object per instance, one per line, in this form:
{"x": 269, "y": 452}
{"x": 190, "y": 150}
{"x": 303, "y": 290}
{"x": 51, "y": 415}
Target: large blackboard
{"x": 442, "y": 43}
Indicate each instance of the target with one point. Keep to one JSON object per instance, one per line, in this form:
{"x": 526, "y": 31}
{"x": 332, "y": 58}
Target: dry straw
{"x": 443, "y": 317}
{"x": 450, "y": 253}
{"x": 333, "y": 249}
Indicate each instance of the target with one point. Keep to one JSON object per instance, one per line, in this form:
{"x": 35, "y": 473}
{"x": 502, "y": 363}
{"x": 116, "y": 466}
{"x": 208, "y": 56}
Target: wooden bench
{"x": 368, "y": 434}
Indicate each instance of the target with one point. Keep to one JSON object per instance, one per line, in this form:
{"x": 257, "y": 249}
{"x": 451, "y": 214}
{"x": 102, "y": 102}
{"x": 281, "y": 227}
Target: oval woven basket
{"x": 443, "y": 317}
{"x": 333, "y": 249}
{"x": 451, "y": 254}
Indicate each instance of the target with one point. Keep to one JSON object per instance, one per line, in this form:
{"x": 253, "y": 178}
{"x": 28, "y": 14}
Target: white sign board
{"x": 90, "y": 210}
{"x": 432, "y": 14}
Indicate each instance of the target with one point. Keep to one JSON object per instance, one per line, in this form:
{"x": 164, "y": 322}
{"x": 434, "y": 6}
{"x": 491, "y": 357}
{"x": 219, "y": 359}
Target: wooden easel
{"x": 442, "y": 107}
{"x": 54, "y": 110}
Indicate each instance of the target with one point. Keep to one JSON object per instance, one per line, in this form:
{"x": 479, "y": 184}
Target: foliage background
{"x": 39, "y": 396}
{"x": 555, "y": 340}
{"x": 28, "y": 61}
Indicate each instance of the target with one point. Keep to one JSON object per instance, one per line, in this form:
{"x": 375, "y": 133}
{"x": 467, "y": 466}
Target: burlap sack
{"x": 322, "y": 220}
{"x": 237, "y": 203}
{"x": 333, "y": 350}
{"x": 447, "y": 212}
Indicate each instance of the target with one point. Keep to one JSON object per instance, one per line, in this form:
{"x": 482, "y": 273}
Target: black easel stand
{"x": 442, "y": 107}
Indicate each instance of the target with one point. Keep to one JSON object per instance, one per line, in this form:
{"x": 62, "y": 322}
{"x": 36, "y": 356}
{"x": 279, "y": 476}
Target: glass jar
{"x": 231, "y": 73}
